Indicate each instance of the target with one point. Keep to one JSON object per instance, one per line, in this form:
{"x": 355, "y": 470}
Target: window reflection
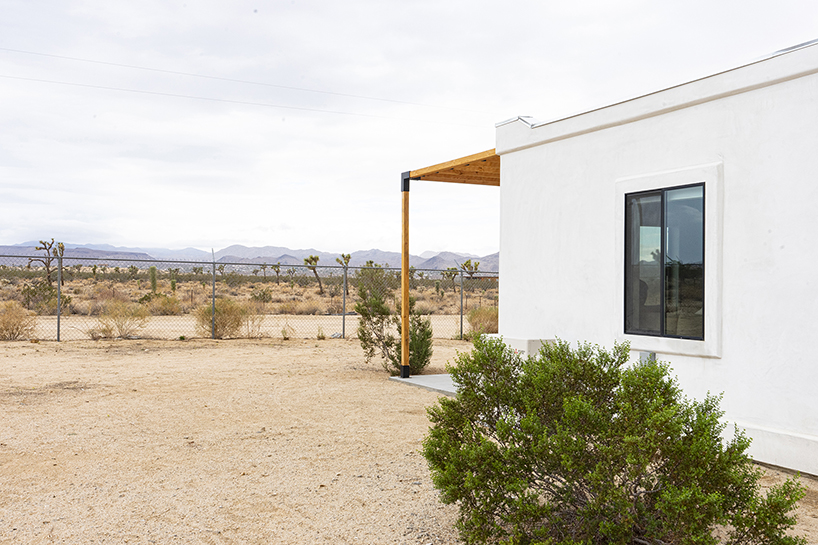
{"x": 664, "y": 275}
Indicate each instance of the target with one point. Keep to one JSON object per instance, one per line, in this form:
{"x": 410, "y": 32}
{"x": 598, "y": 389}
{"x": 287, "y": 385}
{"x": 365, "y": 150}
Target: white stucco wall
{"x": 752, "y": 135}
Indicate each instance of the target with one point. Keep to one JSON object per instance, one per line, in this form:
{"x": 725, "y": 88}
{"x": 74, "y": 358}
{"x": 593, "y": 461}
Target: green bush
{"x": 379, "y": 329}
{"x": 575, "y": 446}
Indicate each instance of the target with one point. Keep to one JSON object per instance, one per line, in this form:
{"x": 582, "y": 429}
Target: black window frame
{"x": 663, "y": 242}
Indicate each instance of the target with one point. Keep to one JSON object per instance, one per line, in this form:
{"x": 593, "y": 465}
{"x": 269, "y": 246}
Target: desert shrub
{"x": 15, "y": 322}
{"x": 10, "y": 293}
{"x": 120, "y": 319}
{"x": 162, "y": 305}
{"x": 482, "y": 320}
{"x": 264, "y": 295}
{"x": 41, "y": 297}
{"x": 296, "y": 307}
{"x": 253, "y": 320}
{"x": 232, "y": 319}
{"x": 379, "y": 331}
{"x": 425, "y": 309}
{"x": 574, "y": 446}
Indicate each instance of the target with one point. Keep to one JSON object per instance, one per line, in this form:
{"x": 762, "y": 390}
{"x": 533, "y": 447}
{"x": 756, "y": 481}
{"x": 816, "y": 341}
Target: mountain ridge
{"x": 271, "y": 255}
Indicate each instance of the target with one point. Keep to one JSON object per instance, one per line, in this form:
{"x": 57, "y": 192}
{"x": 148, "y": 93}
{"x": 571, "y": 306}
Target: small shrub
{"x": 232, "y": 319}
{"x": 573, "y": 446}
{"x": 264, "y": 295}
{"x": 425, "y": 309}
{"x": 482, "y": 320}
{"x": 252, "y": 322}
{"x": 120, "y": 319}
{"x": 162, "y": 305}
{"x": 287, "y": 332}
{"x": 321, "y": 336}
{"x": 15, "y": 322}
{"x": 376, "y": 332}
{"x": 41, "y": 297}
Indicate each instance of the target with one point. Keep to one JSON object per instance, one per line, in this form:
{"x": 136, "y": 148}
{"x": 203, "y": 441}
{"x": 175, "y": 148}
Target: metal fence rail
{"x": 69, "y": 298}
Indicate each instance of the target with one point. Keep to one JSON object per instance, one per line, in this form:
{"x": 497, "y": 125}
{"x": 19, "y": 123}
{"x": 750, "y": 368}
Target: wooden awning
{"x": 480, "y": 169}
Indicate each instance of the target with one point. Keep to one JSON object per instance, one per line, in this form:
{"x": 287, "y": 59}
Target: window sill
{"x": 669, "y": 345}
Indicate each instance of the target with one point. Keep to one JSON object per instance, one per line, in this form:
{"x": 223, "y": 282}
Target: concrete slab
{"x": 437, "y": 383}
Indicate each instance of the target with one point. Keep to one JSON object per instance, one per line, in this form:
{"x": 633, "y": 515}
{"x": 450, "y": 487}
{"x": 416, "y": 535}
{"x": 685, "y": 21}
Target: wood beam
{"x": 483, "y": 155}
{"x": 404, "y": 269}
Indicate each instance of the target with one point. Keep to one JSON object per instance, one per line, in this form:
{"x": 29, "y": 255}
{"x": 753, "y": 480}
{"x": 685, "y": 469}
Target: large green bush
{"x": 576, "y": 446}
{"x": 379, "y": 328}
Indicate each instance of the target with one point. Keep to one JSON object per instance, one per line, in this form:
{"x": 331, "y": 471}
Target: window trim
{"x": 663, "y": 248}
{"x": 711, "y": 175}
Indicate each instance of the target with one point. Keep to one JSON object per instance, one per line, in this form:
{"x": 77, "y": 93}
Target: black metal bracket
{"x": 404, "y": 180}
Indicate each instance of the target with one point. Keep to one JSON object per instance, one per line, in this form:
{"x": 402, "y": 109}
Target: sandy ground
{"x": 220, "y": 442}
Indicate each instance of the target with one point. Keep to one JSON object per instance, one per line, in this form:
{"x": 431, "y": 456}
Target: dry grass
{"x": 120, "y": 319}
{"x": 15, "y": 322}
{"x": 483, "y": 320}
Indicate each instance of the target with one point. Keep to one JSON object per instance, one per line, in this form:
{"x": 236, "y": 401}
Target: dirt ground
{"x": 221, "y": 442}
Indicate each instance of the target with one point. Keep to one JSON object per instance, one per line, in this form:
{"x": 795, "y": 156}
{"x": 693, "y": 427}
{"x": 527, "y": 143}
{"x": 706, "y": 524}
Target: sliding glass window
{"x": 664, "y": 262}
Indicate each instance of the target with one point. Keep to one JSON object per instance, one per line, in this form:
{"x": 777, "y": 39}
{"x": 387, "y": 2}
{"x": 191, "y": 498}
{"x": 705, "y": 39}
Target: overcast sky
{"x": 171, "y": 124}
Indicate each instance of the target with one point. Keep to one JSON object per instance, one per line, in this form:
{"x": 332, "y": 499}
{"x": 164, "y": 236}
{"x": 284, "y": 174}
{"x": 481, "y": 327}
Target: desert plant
{"x": 41, "y": 297}
{"x": 321, "y": 336}
{"x": 264, "y": 295}
{"x": 482, "y": 320}
{"x": 311, "y": 263}
{"x": 252, "y": 322}
{"x": 450, "y": 273}
{"x": 120, "y": 319}
{"x": 344, "y": 262}
{"x": 226, "y": 322}
{"x": 152, "y": 271}
{"x": 575, "y": 446}
{"x": 15, "y": 322}
{"x": 377, "y": 325}
{"x": 162, "y": 305}
{"x": 53, "y": 251}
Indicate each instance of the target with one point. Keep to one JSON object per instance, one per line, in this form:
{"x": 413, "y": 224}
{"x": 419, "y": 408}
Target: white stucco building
{"x": 686, "y": 222}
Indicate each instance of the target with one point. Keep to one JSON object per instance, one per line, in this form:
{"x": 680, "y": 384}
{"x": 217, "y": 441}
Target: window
{"x": 664, "y": 262}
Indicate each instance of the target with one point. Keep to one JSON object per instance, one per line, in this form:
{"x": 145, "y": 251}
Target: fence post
{"x": 213, "y": 303}
{"x": 344, "y": 308}
{"x": 461, "y": 305}
{"x": 59, "y": 294}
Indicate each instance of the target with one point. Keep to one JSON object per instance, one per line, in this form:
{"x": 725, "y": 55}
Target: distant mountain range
{"x": 263, "y": 254}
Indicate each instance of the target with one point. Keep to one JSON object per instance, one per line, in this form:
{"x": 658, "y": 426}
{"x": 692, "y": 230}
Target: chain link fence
{"x": 71, "y": 298}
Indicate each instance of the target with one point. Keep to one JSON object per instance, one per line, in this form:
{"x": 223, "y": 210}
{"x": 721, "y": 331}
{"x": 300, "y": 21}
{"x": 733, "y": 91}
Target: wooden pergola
{"x": 478, "y": 169}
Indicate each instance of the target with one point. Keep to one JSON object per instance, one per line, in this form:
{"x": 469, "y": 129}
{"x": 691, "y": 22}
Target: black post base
{"x": 404, "y": 371}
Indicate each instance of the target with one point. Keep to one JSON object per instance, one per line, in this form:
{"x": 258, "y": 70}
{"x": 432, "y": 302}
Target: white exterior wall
{"x": 752, "y": 135}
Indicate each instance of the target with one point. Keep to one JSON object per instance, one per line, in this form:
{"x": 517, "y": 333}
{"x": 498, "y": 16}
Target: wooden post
{"x": 404, "y": 269}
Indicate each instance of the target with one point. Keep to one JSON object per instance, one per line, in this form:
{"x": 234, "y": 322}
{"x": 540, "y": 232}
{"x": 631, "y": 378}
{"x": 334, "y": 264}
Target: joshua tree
{"x": 470, "y": 268}
{"x": 277, "y": 269}
{"x": 263, "y": 268}
{"x": 52, "y": 252}
{"x": 344, "y": 262}
{"x": 450, "y": 273}
{"x": 310, "y": 263}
